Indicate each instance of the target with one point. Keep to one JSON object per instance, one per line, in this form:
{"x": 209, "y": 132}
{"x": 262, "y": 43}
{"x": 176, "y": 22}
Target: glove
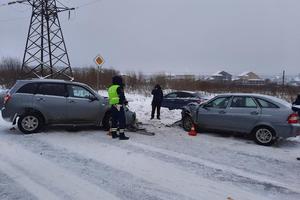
{"x": 118, "y": 107}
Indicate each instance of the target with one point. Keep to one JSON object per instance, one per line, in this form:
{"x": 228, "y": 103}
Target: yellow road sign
{"x": 99, "y": 60}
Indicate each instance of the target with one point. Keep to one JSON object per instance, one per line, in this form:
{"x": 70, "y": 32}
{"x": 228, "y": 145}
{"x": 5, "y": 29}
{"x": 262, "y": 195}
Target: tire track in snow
{"x": 48, "y": 175}
{"x": 25, "y": 180}
{"x": 159, "y": 172}
{"x": 215, "y": 171}
{"x": 122, "y": 184}
{"x": 10, "y": 189}
{"x": 252, "y": 158}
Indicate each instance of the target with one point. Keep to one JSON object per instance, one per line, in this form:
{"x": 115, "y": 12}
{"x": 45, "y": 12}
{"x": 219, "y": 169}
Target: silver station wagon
{"x": 264, "y": 117}
{"x": 35, "y": 103}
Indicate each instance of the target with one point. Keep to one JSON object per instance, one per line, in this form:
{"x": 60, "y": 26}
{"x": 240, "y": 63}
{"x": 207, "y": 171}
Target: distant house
{"x": 221, "y": 76}
{"x": 184, "y": 76}
{"x": 295, "y": 81}
{"x": 250, "y": 78}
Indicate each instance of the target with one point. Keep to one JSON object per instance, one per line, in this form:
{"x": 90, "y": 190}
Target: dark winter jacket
{"x": 157, "y": 95}
{"x": 117, "y": 80}
{"x": 297, "y": 102}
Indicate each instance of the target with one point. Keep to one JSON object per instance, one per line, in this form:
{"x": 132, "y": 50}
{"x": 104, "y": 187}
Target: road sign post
{"x": 99, "y": 62}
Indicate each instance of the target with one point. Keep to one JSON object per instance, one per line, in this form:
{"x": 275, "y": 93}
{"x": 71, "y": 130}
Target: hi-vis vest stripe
{"x": 113, "y": 95}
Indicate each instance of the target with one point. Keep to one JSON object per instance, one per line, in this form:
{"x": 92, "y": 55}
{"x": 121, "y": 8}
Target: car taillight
{"x": 293, "y": 118}
{"x": 7, "y": 98}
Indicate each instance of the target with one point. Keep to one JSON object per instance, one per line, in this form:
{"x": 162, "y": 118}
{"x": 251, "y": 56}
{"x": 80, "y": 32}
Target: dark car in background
{"x": 177, "y": 100}
{"x": 264, "y": 117}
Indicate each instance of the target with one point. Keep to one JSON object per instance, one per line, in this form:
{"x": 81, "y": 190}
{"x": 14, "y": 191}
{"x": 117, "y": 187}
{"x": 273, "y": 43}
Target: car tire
{"x": 264, "y": 135}
{"x": 187, "y": 123}
{"x": 30, "y": 123}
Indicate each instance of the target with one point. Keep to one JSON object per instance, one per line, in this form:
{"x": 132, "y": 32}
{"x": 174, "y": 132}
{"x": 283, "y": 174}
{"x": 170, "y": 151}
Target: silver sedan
{"x": 264, "y": 117}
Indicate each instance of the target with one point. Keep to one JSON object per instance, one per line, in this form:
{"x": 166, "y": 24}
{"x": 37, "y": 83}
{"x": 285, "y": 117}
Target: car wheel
{"x": 187, "y": 123}
{"x": 30, "y": 123}
{"x": 264, "y": 135}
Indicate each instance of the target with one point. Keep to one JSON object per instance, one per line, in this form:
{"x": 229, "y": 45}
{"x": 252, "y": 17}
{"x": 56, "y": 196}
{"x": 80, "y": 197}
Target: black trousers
{"x": 118, "y": 118}
{"x": 155, "y": 107}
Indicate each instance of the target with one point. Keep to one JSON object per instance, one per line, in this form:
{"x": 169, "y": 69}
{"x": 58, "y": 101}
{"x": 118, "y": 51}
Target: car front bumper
{"x": 130, "y": 118}
{"x": 6, "y": 115}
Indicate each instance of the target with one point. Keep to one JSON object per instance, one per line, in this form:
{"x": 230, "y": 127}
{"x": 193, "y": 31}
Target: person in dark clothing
{"x": 297, "y": 101}
{"x": 117, "y": 101}
{"x": 156, "y": 101}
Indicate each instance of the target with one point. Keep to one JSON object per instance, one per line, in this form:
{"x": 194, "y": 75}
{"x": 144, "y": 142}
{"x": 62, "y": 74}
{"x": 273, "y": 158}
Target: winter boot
{"x": 122, "y": 136}
{"x": 114, "y": 135}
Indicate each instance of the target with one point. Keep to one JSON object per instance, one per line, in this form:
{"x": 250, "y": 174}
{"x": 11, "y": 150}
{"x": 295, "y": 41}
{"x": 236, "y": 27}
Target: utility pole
{"x": 283, "y": 78}
{"x": 45, "y": 53}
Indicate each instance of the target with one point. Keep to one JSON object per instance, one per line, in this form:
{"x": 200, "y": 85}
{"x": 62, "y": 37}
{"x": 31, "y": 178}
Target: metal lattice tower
{"x": 45, "y": 53}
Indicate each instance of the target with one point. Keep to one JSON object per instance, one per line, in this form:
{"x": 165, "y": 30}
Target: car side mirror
{"x": 92, "y": 98}
{"x": 206, "y": 106}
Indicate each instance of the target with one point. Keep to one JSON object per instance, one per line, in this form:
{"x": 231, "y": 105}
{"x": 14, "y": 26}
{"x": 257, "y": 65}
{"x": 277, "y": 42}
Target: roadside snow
{"x": 142, "y": 106}
{"x": 88, "y": 164}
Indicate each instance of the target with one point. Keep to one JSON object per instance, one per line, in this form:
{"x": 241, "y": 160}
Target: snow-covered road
{"x": 90, "y": 165}
{"x": 171, "y": 165}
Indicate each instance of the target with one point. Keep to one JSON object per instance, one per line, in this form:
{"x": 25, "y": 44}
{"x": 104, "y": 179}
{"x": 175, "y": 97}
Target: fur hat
{"x": 117, "y": 80}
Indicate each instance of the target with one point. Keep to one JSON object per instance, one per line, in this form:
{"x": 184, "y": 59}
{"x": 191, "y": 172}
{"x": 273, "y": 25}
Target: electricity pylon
{"x": 45, "y": 53}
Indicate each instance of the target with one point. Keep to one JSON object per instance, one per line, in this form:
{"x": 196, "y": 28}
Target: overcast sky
{"x": 173, "y": 36}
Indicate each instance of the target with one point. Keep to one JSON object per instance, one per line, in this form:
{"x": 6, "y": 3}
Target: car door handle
{"x": 40, "y": 99}
{"x": 222, "y": 112}
{"x": 254, "y": 113}
{"x": 72, "y": 101}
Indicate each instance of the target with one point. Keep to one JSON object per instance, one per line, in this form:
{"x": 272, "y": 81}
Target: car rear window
{"x": 52, "y": 89}
{"x": 29, "y": 88}
{"x": 266, "y": 104}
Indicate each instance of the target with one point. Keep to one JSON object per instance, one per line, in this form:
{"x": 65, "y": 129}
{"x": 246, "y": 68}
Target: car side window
{"x": 172, "y": 95}
{"x": 186, "y": 95}
{"x": 220, "y": 102}
{"x": 266, "y": 104}
{"x": 243, "y": 102}
{"x": 29, "y": 88}
{"x": 52, "y": 89}
{"x": 79, "y": 92}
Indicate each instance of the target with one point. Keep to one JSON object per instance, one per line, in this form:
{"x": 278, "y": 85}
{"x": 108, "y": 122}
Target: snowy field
{"x": 171, "y": 165}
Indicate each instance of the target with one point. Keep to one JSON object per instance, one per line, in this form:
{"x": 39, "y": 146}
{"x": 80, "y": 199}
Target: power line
{"x": 88, "y": 3}
{"x": 62, "y": 4}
